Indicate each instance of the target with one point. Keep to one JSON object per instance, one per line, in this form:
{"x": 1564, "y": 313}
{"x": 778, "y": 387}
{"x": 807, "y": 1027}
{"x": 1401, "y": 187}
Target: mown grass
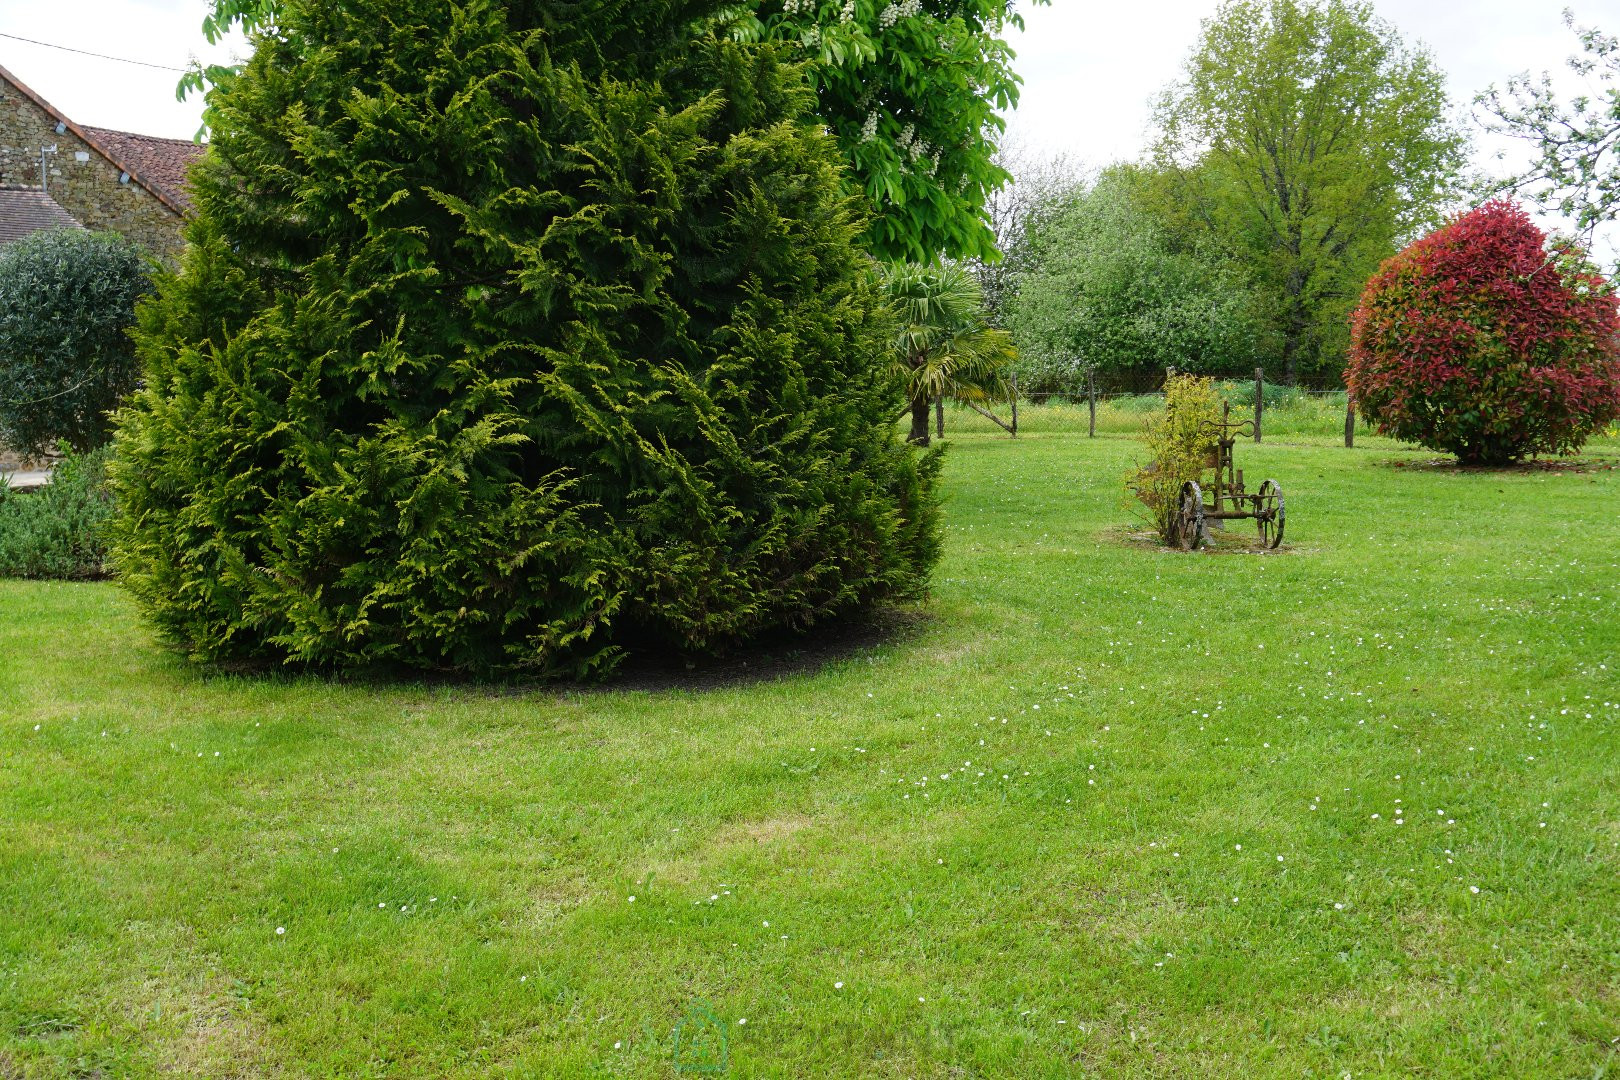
{"x": 1094, "y": 809}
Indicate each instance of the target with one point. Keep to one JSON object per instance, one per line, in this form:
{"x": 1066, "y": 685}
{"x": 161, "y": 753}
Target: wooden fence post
{"x": 1259, "y": 399}
{"x": 1014, "y": 379}
{"x": 1091, "y": 397}
{"x": 1349, "y": 423}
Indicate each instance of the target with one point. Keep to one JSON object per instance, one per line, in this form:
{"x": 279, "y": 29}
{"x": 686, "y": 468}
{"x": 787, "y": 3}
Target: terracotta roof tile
{"x": 28, "y": 210}
{"x": 161, "y": 163}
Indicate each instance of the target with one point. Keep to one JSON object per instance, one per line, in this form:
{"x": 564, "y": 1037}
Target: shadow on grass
{"x": 774, "y": 656}
{"x": 1231, "y": 541}
{"x": 1535, "y": 465}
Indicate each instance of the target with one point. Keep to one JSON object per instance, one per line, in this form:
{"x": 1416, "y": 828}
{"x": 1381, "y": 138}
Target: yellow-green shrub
{"x": 1182, "y": 442}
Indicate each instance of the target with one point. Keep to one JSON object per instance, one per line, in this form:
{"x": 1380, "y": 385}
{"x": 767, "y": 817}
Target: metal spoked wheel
{"x": 1270, "y": 515}
{"x": 1190, "y": 534}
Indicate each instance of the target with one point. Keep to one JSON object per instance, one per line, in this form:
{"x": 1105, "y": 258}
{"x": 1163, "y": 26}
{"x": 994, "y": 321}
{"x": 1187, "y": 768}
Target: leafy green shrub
{"x": 67, "y": 303}
{"x": 508, "y": 340}
{"x": 1485, "y": 341}
{"x": 1107, "y": 286}
{"x": 59, "y": 530}
{"x": 1182, "y": 442}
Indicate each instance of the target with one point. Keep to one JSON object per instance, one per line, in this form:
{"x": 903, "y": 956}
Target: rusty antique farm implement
{"x": 1225, "y": 499}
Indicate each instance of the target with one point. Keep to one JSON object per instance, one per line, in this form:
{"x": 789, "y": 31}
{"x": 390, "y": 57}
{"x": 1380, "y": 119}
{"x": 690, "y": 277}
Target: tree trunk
{"x": 1293, "y": 340}
{"x": 919, "y": 420}
{"x": 939, "y": 416}
{"x": 1297, "y": 317}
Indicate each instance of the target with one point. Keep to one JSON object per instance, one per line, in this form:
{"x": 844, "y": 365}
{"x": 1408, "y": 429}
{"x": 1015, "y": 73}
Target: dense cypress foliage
{"x": 511, "y": 336}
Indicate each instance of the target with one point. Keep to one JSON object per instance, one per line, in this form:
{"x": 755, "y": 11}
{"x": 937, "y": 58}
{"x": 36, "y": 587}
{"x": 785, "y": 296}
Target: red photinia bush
{"x": 1483, "y": 341}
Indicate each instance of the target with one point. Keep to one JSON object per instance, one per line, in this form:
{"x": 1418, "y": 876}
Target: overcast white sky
{"x": 104, "y": 93}
{"x": 1090, "y": 66}
{"x": 1091, "y": 69}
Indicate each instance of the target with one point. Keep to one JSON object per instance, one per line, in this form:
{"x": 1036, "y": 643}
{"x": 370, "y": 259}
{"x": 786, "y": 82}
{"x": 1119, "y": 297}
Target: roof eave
{"x": 153, "y": 189}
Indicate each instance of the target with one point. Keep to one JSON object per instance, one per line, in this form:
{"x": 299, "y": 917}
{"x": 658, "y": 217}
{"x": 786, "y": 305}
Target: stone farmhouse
{"x": 51, "y": 168}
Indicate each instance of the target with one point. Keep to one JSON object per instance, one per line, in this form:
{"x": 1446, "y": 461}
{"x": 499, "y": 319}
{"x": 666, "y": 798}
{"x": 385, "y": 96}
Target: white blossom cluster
{"x": 869, "y": 129}
{"x": 899, "y": 9}
{"x": 798, "y": 7}
{"x": 915, "y": 149}
{"x": 847, "y": 15}
{"x": 924, "y": 159}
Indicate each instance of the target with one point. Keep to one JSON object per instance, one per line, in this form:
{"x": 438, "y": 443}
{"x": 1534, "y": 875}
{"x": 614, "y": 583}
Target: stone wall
{"x": 84, "y": 182}
{"x": 11, "y": 461}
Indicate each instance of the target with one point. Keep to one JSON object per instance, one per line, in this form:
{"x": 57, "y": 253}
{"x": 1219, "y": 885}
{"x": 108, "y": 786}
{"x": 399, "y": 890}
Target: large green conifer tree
{"x": 511, "y": 335}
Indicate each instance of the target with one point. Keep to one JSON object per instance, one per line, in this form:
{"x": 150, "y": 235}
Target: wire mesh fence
{"x": 1285, "y": 411}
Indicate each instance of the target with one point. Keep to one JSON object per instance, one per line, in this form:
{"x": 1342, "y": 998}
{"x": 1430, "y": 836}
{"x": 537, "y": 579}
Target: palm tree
{"x": 945, "y": 349}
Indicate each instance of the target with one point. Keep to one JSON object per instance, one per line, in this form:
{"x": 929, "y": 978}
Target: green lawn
{"x": 1094, "y": 809}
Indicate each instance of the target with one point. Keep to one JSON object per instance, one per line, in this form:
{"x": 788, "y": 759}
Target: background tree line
{"x": 1305, "y": 143}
